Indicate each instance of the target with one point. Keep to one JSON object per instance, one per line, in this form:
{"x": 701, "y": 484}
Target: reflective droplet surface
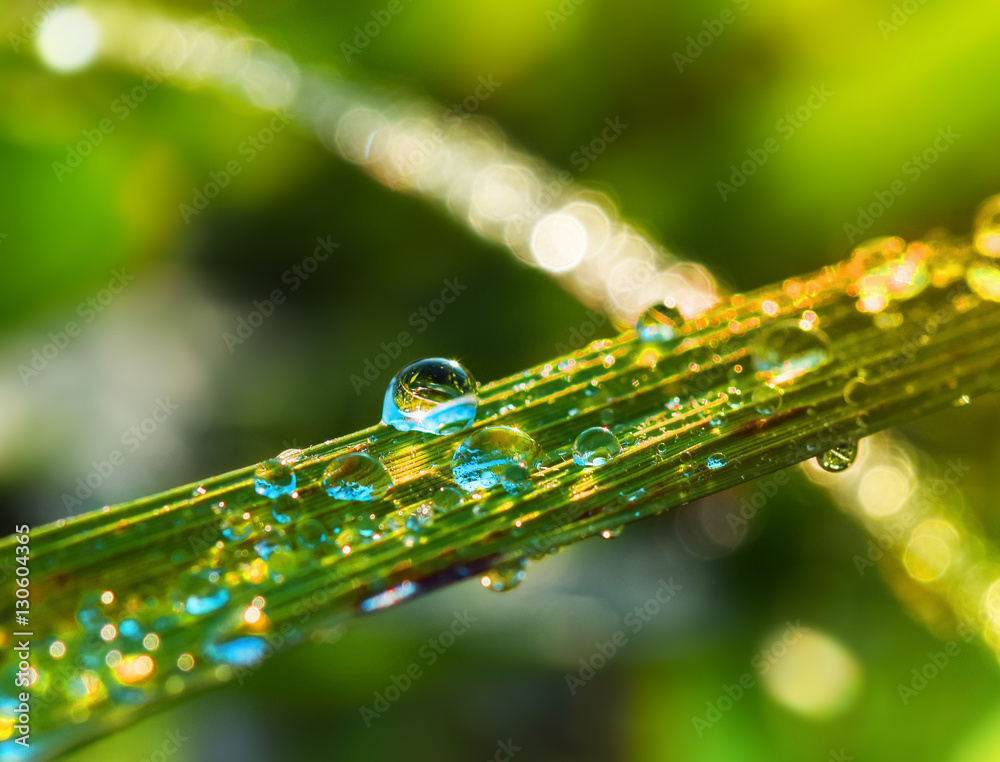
{"x": 447, "y": 499}
{"x": 767, "y": 400}
{"x": 838, "y": 458}
{"x": 200, "y": 593}
{"x": 272, "y": 478}
{"x": 857, "y": 391}
{"x": 310, "y": 533}
{"x": 482, "y": 461}
{"x": 436, "y": 396}
{"x": 356, "y": 476}
{"x": 286, "y": 509}
{"x": 716, "y": 461}
{"x": 595, "y": 447}
{"x": 785, "y": 351}
{"x": 504, "y": 577}
{"x": 243, "y": 651}
{"x": 659, "y": 323}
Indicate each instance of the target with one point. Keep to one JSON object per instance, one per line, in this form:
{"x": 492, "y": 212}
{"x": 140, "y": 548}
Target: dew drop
{"x": 200, "y": 593}
{"x": 291, "y": 456}
{"x": 595, "y": 447}
{"x": 505, "y": 576}
{"x": 838, "y": 458}
{"x": 310, "y": 533}
{"x": 659, "y": 323}
{"x": 612, "y": 533}
{"x": 767, "y": 399}
{"x": 785, "y": 351}
{"x": 356, "y": 476}
{"x": 857, "y": 391}
{"x": 244, "y": 651}
{"x": 716, "y": 461}
{"x": 272, "y": 478}
{"x": 436, "y": 396}
{"x": 447, "y": 499}
{"x": 483, "y": 460}
{"x": 237, "y": 526}
{"x": 286, "y": 509}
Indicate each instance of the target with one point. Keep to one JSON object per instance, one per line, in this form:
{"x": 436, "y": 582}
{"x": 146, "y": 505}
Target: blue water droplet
{"x": 436, "y": 396}
{"x": 131, "y": 629}
{"x": 716, "y": 461}
{"x": 244, "y": 651}
{"x": 784, "y": 351}
{"x": 356, "y": 476}
{"x": 595, "y": 447}
{"x": 286, "y": 509}
{"x": 272, "y": 478}
{"x": 483, "y": 460}
{"x": 200, "y": 593}
{"x": 505, "y": 576}
{"x": 659, "y": 323}
{"x": 310, "y": 533}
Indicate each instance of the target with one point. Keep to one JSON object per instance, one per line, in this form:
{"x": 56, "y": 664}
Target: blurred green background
{"x": 563, "y": 70}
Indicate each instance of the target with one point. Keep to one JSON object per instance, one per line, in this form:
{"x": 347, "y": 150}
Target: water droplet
{"x": 767, "y": 399}
{"x": 505, "y": 576}
{"x": 244, "y": 651}
{"x": 481, "y": 461}
{"x": 785, "y": 351}
{"x": 419, "y": 520}
{"x": 659, "y": 323}
{"x": 436, "y": 396}
{"x": 356, "y": 476}
{"x": 200, "y": 593}
{"x": 310, "y": 533}
{"x": 237, "y": 526}
{"x": 716, "y": 461}
{"x": 286, "y": 509}
{"x": 965, "y": 399}
{"x": 595, "y": 447}
{"x": 983, "y": 278}
{"x": 838, "y": 458}
{"x": 612, "y": 533}
{"x": 987, "y": 227}
{"x": 857, "y": 391}
{"x": 447, "y": 499}
{"x": 272, "y": 478}
{"x": 291, "y": 456}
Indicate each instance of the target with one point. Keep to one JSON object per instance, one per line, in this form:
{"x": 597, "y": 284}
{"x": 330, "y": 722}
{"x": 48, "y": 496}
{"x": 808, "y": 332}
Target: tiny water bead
{"x": 447, "y": 499}
{"x": 838, "y": 458}
{"x": 436, "y": 396}
{"x": 505, "y": 576}
{"x": 356, "y": 476}
{"x": 272, "y": 478}
{"x": 286, "y": 508}
{"x": 200, "y": 593}
{"x": 659, "y": 323}
{"x": 785, "y": 351}
{"x": 716, "y": 461}
{"x": 483, "y": 460}
{"x": 595, "y": 447}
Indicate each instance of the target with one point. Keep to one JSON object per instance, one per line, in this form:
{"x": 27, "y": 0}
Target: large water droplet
{"x": 659, "y": 323}
{"x": 286, "y": 509}
{"x": 356, "y": 476}
{"x": 838, "y": 458}
{"x": 595, "y": 447}
{"x": 436, "y": 396}
{"x": 857, "y": 391}
{"x": 237, "y": 525}
{"x": 200, "y": 593}
{"x": 716, "y": 461}
{"x": 785, "y": 351}
{"x": 505, "y": 576}
{"x": 482, "y": 461}
{"x": 272, "y": 478}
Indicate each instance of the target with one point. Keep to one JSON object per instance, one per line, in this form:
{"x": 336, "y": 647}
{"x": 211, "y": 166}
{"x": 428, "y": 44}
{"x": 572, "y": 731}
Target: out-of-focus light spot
{"x": 108, "y": 632}
{"x": 991, "y": 605}
{"x": 107, "y": 597}
{"x": 251, "y": 615}
{"x": 68, "y": 39}
{"x": 113, "y": 658}
{"x": 259, "y": 601}
{"x": 987, "y": 227}
{"x": 559, "y": 242}
{"x": 884, "y": 490}
{"x": 929, "y": 552}
{"x": 501, "y": 193}
{"x": 57, "y": 650}
{"x": 151, "y": 642}
{"x": 185, "y": 662}
{"x": 174, "y": 684}
{"x": 814, "y": 675}
{"x": 768, "y": 307}
{"x": 361, "y": 135}
{"x": 135, "y": 669}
